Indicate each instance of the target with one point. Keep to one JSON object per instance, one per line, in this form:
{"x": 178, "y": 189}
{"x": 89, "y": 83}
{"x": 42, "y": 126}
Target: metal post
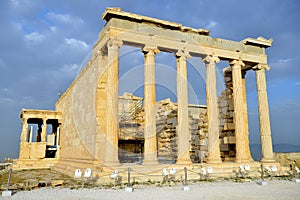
{"x": 129, "y": 188}
{"x": 185, "y": 186}
{"x": 8, "y": 180}
{"x": 7, "y": 192}
{"x": 295, "y": 173}
{"x": 185, "y": 176}
{"x": 262, "y": 172}
{"x": 262, "y": 182}
{"x": 129, "y": 185}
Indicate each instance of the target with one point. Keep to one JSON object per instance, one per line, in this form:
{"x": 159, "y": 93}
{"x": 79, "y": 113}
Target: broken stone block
{"x": 32, "y": 183}
{"x": 229, "y": 126}
{"x": 56, "y": 183}
{"x": 229, "y": 140}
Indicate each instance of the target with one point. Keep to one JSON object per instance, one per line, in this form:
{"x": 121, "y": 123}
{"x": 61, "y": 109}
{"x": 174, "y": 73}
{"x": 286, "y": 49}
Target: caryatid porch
{"x": 153, "y": 36}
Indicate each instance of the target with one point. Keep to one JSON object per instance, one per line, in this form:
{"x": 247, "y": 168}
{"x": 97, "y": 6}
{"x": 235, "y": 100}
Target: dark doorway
{"x": 131, "y": 151}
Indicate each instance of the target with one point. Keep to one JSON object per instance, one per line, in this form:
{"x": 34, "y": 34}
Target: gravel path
{"x": 215, "y": 190}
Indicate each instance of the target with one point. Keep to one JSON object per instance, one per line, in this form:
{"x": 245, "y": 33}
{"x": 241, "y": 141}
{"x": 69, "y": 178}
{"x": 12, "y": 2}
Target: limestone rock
{"x": 56, "y": 183}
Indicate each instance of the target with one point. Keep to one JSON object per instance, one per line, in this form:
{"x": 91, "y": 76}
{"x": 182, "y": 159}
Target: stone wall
{"x": 287, "y": 159}
{"x": 166, "y": 124}
{"x": 79, "y": 131}
{"x": 227, "y": 128}
{"x": 199, "y": 139}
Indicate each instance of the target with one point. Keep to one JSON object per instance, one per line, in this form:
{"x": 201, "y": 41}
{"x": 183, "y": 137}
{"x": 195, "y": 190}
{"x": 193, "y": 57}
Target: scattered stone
{"x": 56, "y": 183}
{"x": 32, "y": 183}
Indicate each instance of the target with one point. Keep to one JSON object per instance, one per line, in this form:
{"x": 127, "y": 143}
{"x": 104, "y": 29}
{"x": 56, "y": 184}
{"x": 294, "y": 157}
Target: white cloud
{"x": 64, "y": 18}
{"x": 70, "y": 68}
{"x": 53, "y": 28}
{"x": 34, "y": 37}
{"x": 211, "y": 25}
{"x": 15, "y": 3}
{"x": 74, "y": 43}
{"x": 285, "y": 60}
{"x": 6, "y": 100}
{"x": 298, "y": 84}
{"x": 5, "y": 90}
{"x": 22, "y": 6}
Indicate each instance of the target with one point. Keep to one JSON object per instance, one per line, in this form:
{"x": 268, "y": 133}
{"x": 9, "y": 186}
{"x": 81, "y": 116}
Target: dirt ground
{"x": 282, "y": 189}
{"x": 47, "y": 184}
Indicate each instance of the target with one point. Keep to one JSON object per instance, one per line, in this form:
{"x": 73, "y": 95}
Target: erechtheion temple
{"x": 93, "y": 127}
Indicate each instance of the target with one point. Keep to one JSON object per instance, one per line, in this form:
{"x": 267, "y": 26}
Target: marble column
{"x": 112, "y": 126}
{"x": 30, "y": 134}
{"x": 44, "y": 131}
{"x": 212, "y": 110}
{"x": 245, "y": 113}
{"x": 150, "y": 145}
{"x": 239, "y": 112}
{"x": 263, "y": 111}
{"x": 24, "y": 133}
{"x": 183, "y": 131}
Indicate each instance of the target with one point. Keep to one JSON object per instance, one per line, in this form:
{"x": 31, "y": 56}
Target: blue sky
{"x": 44, "y": 43}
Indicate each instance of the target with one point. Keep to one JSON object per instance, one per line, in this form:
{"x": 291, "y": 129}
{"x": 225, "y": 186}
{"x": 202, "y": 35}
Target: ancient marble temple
{"x": 92, "y": 127}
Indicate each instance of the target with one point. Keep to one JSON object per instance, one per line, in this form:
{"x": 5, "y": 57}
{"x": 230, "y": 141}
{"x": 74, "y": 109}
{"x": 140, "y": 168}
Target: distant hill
{"x": 279, "y": 148}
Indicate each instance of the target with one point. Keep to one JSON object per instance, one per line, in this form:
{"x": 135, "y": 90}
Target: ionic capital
{"x": 237, "y": 63}
{"x": 261, "y": 66}
{"x": 210, "y": 58}
{"x": 149, "y": 49}
{"x": 114, "y": 42}
{"x": 182, "y": 54}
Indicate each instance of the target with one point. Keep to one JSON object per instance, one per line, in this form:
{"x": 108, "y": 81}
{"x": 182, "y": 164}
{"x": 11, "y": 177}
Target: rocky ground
{"x": 279, "y": 189}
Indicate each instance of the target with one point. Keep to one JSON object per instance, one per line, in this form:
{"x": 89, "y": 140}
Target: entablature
{"x": 40, "y": 114}
{"x": 170, "y": 37}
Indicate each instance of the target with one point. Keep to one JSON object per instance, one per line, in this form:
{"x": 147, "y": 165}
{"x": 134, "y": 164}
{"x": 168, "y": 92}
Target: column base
{"x": 112, "y": 163}
{"x": 150, "y": 162}
{"x": 248, "y": 160}
{"x": 214, "y": 160}
{"x": 184, "y": 162}
{"x": 268, "y": 160}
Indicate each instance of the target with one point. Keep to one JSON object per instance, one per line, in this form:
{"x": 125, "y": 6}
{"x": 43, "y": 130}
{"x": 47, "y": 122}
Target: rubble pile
{"x": 198, "y": 129}
{"x": 166, "y": 129}
{"x": 166, "y": 123}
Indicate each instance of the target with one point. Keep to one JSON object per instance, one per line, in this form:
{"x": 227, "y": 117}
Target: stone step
{"x": 22, "y": 164}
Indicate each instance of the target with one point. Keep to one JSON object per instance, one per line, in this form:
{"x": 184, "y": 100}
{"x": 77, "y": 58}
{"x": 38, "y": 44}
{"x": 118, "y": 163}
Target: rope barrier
{"x": 181, "y": 174}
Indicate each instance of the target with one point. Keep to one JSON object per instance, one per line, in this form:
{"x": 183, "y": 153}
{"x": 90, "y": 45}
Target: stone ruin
{"x": 131, "y": 123}
{"x": 92, "y": 127}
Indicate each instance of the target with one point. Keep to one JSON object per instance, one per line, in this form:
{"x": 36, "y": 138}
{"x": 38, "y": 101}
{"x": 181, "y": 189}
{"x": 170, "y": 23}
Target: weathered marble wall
{"x": 80, "y": 127}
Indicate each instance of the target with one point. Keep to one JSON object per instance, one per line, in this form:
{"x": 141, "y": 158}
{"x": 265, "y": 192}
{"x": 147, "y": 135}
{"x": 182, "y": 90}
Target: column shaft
{"x": 245, "y": 113}
{"x": 183, "y": 131}
{"x": 30, "y": 134}
{"x": 212, "y": 110}
{"x": 150, "y": 148}
{"x": 241, "y": 134}
{"x": 44, "y": 131}
{"x": 264, "y": 118}
{"x": 111, "y": 150}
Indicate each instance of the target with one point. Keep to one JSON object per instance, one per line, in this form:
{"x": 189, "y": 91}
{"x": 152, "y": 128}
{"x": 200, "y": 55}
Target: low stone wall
{"x": 287, "y": 159}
